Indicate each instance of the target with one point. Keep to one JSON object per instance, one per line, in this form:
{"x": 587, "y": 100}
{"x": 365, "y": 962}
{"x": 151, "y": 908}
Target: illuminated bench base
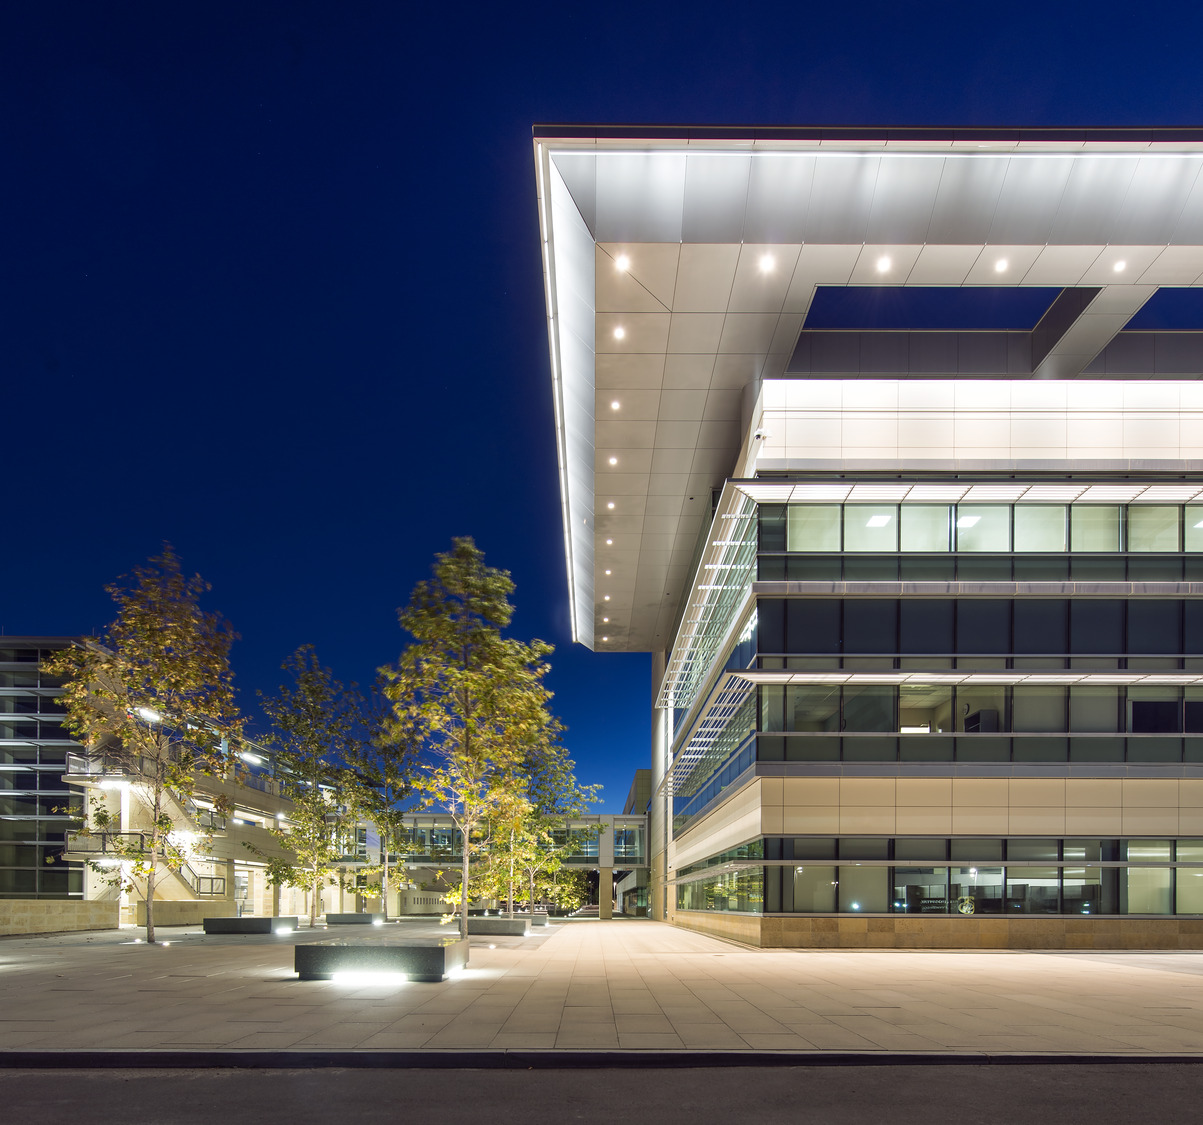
{"x": 248, "y": 925}
{"x": 323, "y": 960}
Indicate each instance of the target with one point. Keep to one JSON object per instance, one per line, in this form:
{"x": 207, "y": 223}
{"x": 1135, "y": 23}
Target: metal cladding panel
{"x": 775, "y": 177}
{"x": 903, "y": 197}
{"x": 841, "y": 200}
{"x": 1093, "y": 197}
{"x": 716, "y": 194}
{"x": 640, "y": 197}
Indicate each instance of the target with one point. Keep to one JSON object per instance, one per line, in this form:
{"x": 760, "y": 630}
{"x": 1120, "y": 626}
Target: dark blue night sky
{"x": 270, "y": 285}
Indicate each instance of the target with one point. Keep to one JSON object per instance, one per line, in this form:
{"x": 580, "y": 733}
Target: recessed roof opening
{"x": 1170, "y": 310}
{"x": 901, "y": 308}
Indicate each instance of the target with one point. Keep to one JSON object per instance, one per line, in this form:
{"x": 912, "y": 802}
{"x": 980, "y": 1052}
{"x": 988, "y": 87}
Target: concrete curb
{"x": 519, "y": 1059}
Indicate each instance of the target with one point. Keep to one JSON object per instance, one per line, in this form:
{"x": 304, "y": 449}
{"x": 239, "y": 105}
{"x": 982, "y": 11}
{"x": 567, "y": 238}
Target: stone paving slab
{"x": 597, "y": 987}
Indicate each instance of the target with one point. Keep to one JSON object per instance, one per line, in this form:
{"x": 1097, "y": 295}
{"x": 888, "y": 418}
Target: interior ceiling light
{"x": 619, "y": 332}
{"x": 605, "y": 621}
{"x": 609, "y": 542}
{"x": 883, "y": 264}
{"x": 614, "y": 405}
{"x": 878, "y": 521}
{"x": 613, "y": 460}
{"x": 610, "y": 505}
{"x": 605, "y": 638}
{"x": 607, "y": 573}
{"x": 767, "y": 263}
{"x": 1000, "y": 266}
{"x": 606, "y": 598}
{"x": 1119, "y": 267}
{"x": 622, "y": 262}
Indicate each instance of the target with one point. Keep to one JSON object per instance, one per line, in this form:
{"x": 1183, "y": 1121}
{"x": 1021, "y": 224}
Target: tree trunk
{"x": 463, "y": 885}
{"x": 384, "y": 883}
{"x": 509, "y": 900}
{"x": 150, "y": 903}
{"x": 532, "y": 893}
{"x": 314, "y": 891}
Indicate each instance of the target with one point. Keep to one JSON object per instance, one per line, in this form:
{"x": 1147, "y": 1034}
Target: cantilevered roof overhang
{"x": 679, "y": 266}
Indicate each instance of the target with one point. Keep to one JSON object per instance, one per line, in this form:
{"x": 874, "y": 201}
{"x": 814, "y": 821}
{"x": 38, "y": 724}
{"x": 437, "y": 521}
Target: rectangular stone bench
{"x": 248, "y": 925}
{"x": 434, "y": 961}
{"x": 539, "y": 918}
{"x": 354, "y": 919}
{"x": 511, "y": 927}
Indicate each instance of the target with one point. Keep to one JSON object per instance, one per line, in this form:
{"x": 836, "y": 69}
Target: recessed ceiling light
{"x": 883, "y": 264}
{"x": 609, "y": 542}
{"x": 607, "y": 573}
{"x": 1119, "y": 267}
{"x": 1000, "y": 266}
{"x": 606, "y": 620}
{"x": 613, "y": 460}
{"x": 622, "y": 262}
{"x": 614, "y": 405}
{"x": 610, "y": 505}
{"x": 619, "y": 332}
{"x": 605, "y": 638}
{"x": 767, "y": 263}
{"x": 606, "y": 598}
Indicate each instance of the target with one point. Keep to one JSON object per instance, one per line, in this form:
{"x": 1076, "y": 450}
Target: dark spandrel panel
{"x": 861, "y": 848}
{"x": 1040, "y": 750}
{"x": 811, "y": 748}
{"x": 813, "y": 625}
{"x": 983, "y": 625}
{"x": 926, "y": 625}
{"x": 869, "y": 625}
{"x": 858, "y": 749}
{"x": 813, "y": 847}
{"x": 925, "y": 748}
{"x": 942, "y": 308}
{"x": 871, "y": 568}
{"x": 771, "y": 568}
{"x": 1192, "y": 620}
{"x": 770, "y": 748}
{"x": 814, "y": 568}
{"x": 1155, "y": 716}
{"x": 968, "y": 850}
{"x": 983, "y": 568}
{"x": 1154, "y": 626}
{"x": 983, "y": 749}
{"x": 770, "y": 624}
{"x": 1154, "y": 568}
{"x": 772, "y": 527}
{"x": 1040, "y": 568}
{"x": 1151, "y": 751}
{"x": 1169, "y": 309}
{"x": 1041, "y": 626}
{"x": 927, "y": 568}
{"x": 1096, "y": 749}
{"x": 1097, "y": 568}
{"x": 1096, "y": 625}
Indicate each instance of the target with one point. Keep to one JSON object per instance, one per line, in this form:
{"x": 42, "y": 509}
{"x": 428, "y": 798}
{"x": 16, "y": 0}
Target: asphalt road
{"x": 1041, "y": 1094}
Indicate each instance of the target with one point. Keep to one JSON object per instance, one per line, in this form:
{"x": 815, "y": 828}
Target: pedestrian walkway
{"x": 602, "y": 986}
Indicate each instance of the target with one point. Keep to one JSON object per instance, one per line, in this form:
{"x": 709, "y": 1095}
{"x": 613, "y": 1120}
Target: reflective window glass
{"x": 983, "y": 527}
{"x": 1149, "y": 851}
{"x": 1038, "y": 709}
{"x": 814, "y": 888}
{"x": 1192, "y": 527}
{"x": 1040, "y": 527}
{"x": 1094, "y": 527}
{"x": 870, "y": 527}
{"x": 869, "y": 707}
{"x": 1033, "y": 850}
{"x": 967, "y": 849}
{"x": 924, "y": 709}
{"x": 864, "y": 890}
{"x": 977, "y": 890}
{"x": 926, "y": 527}
{"x": 1082, "y": 891}
{"x": 1189, "y": 897}
{"x": 920, "y": 848}
{"x": 1148, "y": 890}
{"x": 1152, "y": 527}
{"x": 921, "y": 890}
{"x": 1094, "y": 709}
{"x": 1033, "y": 890}
{"x": 813, "y": 527}
{"x": 812, "y": 707}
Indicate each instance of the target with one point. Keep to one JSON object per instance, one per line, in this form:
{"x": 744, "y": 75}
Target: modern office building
{"x": 887, "y": 446}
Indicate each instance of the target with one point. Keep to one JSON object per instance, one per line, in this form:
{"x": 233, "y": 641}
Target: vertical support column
{"x": 228, "y": 872}
{"x": 275, "y": 911}
{"x": 605, "y": 893}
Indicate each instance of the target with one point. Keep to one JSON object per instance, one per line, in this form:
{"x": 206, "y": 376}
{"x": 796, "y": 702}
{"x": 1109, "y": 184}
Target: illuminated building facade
{"x": 887, "y": 446}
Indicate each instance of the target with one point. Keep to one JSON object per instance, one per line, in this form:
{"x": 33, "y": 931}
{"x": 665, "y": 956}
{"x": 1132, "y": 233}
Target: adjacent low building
{"x": 887, "y": 446}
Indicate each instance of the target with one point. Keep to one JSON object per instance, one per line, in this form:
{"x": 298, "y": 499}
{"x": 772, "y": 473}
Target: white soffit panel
{"x": 694, "y": 219}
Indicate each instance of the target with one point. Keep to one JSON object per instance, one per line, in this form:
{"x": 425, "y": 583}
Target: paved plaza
{"x": 622, "y": 986}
